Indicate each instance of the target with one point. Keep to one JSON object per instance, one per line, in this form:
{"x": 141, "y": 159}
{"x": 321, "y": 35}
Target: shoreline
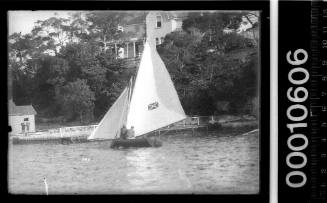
{"x": 79, "y": 137}
{"x": 205, "y": 120}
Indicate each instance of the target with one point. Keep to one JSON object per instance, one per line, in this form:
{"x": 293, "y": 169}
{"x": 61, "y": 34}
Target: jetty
{"x": 177, "y": 129}
{"x": 64, "y": 135}
{"x": 79, "y": 134}
{"x": 37, "y": 138}
{"x": 48, "y": 139}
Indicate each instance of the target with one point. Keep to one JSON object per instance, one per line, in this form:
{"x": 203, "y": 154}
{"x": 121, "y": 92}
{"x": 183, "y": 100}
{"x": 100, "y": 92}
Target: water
{"x": 223, "y": 163}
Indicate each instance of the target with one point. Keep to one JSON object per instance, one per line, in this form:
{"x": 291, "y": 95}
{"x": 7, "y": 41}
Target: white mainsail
{"x": 110, "y": 125}
{"x": 154, "y": 103}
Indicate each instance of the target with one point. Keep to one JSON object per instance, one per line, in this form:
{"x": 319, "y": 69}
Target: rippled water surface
{"x": 214, "y": 163}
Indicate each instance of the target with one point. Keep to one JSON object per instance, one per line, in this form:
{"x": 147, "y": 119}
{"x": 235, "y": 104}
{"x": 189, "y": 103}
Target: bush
{"x": 77, "y": 101}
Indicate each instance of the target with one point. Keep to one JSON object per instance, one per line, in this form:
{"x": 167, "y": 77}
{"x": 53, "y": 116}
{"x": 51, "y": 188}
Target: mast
{"x": 130, "y": 93}
{"x": 133, "y": 77}
{"x": 144, "y": 29}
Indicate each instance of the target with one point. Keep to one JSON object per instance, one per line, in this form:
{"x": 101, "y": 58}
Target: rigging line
{"x": 164, "y": 134}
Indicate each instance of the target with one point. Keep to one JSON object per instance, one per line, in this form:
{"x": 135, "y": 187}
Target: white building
{"x": 161, "y": 23}
{"x": 21, "y": 118}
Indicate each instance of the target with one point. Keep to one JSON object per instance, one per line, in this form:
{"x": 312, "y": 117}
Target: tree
{"x": 48, "y": 79}
{"x": 79, "y": 26}
{"x": 102, "y": 71}
{"x": 54, "y": 32}
{"x": 20, "y": 49}
{"x": 61, "y": 51}
{"x": 104, "y": 26}
{"x": 211, "y": 66}
{"x": 77, "y": 101}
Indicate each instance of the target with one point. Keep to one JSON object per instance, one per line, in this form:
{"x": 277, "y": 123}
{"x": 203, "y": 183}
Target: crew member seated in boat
{"x": 123, "y": 133}
{"x": 131, "y": 133}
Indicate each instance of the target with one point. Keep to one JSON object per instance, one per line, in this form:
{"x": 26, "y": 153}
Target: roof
{"x": 176, "y": 14}
{"x": 167, "y": 15}
{"x": 20, "y": 110}
{"x": 137, "y": 20}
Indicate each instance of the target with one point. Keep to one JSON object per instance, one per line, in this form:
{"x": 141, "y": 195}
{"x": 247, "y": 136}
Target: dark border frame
{"x": 263, "y": 6}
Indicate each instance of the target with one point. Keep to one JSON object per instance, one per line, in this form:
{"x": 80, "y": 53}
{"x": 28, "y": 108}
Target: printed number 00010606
{"x": 299, "y": 95}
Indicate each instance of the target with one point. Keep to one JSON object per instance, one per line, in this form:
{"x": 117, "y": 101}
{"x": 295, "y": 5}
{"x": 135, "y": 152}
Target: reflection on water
{"x": 144, "y": 169}
{"x": 218, "y": 163}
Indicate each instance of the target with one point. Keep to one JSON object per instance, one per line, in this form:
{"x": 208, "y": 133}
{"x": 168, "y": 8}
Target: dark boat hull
{"x": 138, "y": 142}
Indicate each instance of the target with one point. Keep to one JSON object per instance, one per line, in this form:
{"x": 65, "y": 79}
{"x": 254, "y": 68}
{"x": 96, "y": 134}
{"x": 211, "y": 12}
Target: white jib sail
{"x": 154, "y": 103}
{"x": 110, "y": 125}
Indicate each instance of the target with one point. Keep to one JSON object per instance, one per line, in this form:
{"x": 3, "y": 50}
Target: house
{"x": 161, "y": 23}
{"x": 21, "y": 118}
{"x": 132, "y": 44}
{"x": 154, "y": 25}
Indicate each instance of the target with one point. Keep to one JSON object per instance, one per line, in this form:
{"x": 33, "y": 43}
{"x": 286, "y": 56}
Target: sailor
{"x": 123, "y": 133}
{"x": 27, "y": 125}
{"x": 131, "y": 132}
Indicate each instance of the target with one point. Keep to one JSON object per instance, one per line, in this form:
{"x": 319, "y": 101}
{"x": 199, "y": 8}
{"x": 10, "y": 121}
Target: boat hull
{"x": 138, "y": 142}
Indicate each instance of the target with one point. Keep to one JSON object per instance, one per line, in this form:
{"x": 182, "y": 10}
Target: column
{"x": 116, "y": 53}
{"x": 127, "y": 50}
{"x": 134, "y": 49}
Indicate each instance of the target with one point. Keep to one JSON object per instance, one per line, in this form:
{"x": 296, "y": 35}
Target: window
{"x": 158, "y": 21}
{"x": 157, "y": 41}
{"x": 25, "y": 119}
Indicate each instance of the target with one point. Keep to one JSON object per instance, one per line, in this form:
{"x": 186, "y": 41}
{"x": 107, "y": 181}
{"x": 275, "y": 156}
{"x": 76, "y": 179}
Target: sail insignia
{"x": 153, "y": 106}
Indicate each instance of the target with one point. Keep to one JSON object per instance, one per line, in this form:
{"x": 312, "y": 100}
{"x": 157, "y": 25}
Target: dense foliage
{"x": 215, "y": 72}
{"x": 66, "y": 69}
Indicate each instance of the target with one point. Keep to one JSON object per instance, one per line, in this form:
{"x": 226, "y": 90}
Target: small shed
{"x": 21, "y": 118}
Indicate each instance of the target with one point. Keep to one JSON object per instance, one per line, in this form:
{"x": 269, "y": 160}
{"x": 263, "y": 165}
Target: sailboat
{"x": 148, "y": 103}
